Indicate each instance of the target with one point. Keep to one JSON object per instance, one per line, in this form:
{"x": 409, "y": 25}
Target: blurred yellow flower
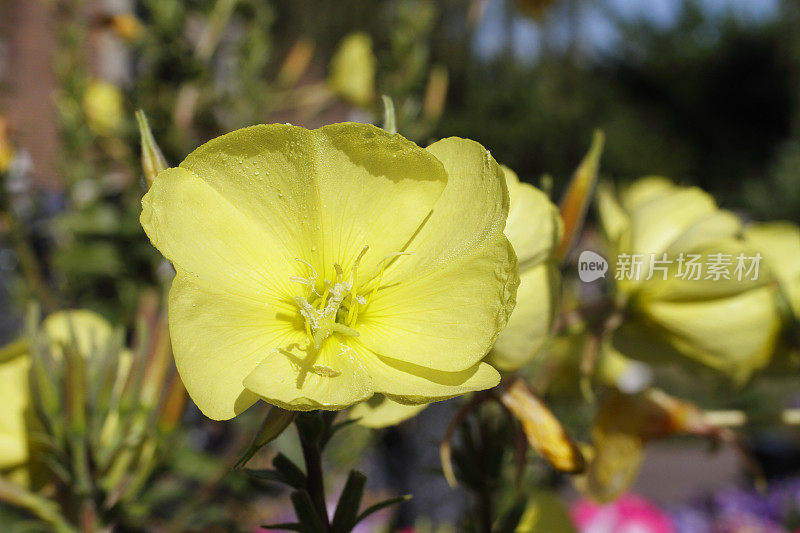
{"x": 103, "y": 106}
{"x": 316, "y": 268}
{"x": 84, "y": 331}
{"x": 14, "y": 395}
{"x": 730, "y": 325}
{"x": 779, "y": 243}
{"x": 352, "y": 74}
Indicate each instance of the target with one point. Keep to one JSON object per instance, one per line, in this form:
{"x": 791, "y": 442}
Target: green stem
{"x": 315, "y": 484}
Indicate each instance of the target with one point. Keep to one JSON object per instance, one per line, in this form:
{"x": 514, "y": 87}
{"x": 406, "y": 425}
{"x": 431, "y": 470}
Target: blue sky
{"x": 598, "y": 32}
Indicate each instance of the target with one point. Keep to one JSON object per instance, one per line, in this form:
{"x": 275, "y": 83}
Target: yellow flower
{"x": 352, "y": 73}
{"x": 534, "y": 229}
{"x": 86, "y": 332}
{"x": 779, "y": 243}
{"x": 725, "y": 324}
{"x": 316, "y": 268}
{"x": 104, "y": 108}
{"x": 14, "y": 396}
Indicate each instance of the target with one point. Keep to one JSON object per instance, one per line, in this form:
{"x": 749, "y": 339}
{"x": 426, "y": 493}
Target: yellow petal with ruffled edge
{"x": 535, "y": 230}
{"x": 529, "y": 326}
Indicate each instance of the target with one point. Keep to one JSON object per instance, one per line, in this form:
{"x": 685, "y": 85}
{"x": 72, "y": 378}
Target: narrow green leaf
{"x": 346, "y": 514}
{"x": 381, "y": 506}
{"x": 306, "y": 514}
{"x": 276, "y": 421}
{"x": 292, "y": 474}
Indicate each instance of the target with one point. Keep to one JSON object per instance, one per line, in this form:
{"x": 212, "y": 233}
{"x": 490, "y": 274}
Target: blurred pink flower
{"x": 628, "y": 514}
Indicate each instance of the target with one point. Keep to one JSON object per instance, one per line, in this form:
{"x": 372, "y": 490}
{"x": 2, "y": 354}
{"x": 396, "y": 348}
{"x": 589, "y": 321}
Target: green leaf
{"x": 306, "y": 514}
{"x": 349, "y": 502}
{"x": 381, "y": 506}
{"x": 291, "y": 473}
{"x": 276, "y": 421}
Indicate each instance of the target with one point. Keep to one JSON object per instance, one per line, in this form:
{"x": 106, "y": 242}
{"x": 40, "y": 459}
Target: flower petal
{"x": 379, "y": 412}
{"x": 333, "y": 379}
{"x": 659, "y": 221}
{"x": 455, "y": 293}
{"x": 534, "y": 224}
{"x": 322, "y": 195}
{"x": 735, "y": 334}
{"x": 449, "y": 318}
{"x": 529, "y": 326}
{"x": 220, "y": 337}
{"x": 413, "y": 384}
{"x": 208, "y": 237}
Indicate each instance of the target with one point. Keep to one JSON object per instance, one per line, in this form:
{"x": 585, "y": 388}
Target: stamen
{"x": 325, "y": 317}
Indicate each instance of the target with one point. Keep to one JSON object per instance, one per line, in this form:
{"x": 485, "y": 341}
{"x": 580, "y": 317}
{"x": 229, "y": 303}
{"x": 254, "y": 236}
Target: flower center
{"x": 333, "y": 308}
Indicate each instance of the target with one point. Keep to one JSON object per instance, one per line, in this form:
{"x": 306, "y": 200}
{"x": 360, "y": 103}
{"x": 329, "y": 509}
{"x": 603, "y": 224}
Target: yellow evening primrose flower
{"x": 316, "y": 268}
{"x": 678, "y": 312}
{"x": 534, "y": 229}
{"x": 352, "y": 73}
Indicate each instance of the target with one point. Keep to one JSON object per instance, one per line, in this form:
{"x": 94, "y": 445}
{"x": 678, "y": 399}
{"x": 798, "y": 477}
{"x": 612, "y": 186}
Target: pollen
{"x": 332, "y": 307}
